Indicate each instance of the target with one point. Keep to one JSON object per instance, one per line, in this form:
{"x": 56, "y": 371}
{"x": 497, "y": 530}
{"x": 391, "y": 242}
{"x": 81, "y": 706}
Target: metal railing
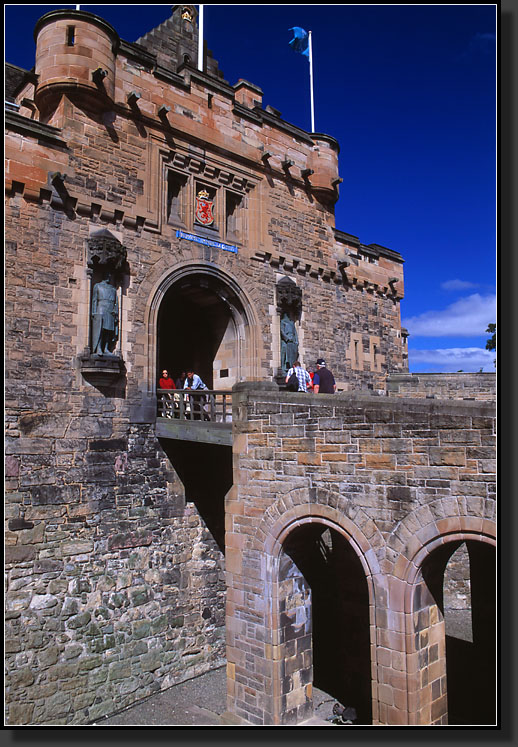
{"x": 207, "y": 405}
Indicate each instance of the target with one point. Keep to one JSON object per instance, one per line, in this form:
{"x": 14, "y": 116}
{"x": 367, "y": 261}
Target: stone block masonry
{"x": 480, "y": 387}
{"x": 399, "y": 480}
{"x": 115, "y": 586}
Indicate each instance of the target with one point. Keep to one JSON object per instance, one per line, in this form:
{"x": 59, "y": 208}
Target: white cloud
{"x": 454, "y": 285}
{"x": 448, "y": 360}
{"x": 467, "y": 317}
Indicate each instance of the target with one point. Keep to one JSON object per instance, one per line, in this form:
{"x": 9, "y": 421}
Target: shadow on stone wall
{"x": 470, "y": 664}
{"x": 206, "y": 473}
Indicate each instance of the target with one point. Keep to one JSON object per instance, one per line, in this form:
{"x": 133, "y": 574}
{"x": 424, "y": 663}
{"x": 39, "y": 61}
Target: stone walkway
{"x": 199, "y": 702}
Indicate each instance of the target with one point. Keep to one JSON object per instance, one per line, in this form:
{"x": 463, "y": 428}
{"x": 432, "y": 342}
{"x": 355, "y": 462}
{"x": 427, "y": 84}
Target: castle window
{"x": 233, "y": 216}
{"x": 176, "y": 197}
{"x": 71, "y": 36}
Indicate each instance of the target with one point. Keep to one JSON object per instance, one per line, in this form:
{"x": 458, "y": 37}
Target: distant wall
{"x": 477, "y": 386}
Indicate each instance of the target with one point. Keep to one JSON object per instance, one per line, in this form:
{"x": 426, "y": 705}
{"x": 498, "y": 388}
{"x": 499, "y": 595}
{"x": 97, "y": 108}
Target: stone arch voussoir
{"x": 304, "y": 504}
{"x": 440, "y": 521}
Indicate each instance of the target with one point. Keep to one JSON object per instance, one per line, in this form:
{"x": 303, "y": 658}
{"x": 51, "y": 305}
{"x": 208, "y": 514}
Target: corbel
{"x": 163, "y": 111}
{"x": 341, "y": 267}
{"x": 133, "y": 98}
{"x": 99, "y": 75}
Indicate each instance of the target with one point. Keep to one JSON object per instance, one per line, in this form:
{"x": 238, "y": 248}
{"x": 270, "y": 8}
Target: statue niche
{"x": 289, "y": 306}
{"x": 105, "y": 317}
{"x": 107, "y": 263}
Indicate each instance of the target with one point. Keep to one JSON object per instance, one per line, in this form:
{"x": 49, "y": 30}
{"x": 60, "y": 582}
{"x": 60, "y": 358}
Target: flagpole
{"x": 311, "y": 83}
{"x": 200, "y": 40}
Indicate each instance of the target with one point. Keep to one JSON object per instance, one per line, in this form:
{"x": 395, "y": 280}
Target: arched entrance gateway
{"x": 205, "y": 322}
{"x": 201, "y": 319}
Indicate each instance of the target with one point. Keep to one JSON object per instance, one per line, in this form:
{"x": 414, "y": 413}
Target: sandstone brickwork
{"x": 404, "y": 481}
{"x": 469, "y": 386}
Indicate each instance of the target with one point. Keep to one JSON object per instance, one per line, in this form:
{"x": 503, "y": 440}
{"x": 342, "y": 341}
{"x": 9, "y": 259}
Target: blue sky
{"x": 409, "y": 92}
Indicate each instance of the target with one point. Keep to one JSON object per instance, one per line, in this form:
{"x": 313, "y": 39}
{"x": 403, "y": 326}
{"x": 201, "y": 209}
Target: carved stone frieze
{"x": 106, "y": 251}
{"x": 289, "y": 297}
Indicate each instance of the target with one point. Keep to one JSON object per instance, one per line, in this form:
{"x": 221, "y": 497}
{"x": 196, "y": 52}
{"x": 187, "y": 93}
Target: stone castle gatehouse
{"x": 159, "y": 218}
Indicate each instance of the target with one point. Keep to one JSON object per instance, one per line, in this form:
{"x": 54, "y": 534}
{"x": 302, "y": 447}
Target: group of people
{"x": 186, "y": 380}
{"x": 196, "y": 406}
{"x": 320, "y": 381}
{"x": 298, "y": 379}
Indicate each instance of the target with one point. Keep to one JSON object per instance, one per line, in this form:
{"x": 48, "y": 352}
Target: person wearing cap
{"x": 323, "y": 380}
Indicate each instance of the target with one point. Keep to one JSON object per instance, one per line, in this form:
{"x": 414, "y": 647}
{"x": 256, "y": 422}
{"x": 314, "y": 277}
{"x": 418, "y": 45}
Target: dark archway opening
{"x": 340, "y": 615}
{"x": 471, "y": 645}
{"x": 194, "y": 318}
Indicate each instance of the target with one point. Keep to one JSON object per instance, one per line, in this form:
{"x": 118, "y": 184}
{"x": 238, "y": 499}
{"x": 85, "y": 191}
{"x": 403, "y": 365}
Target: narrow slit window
{"x": 175, "y": 186}
{"x": 233, "y": 216}
{"x": 71, "y": 36}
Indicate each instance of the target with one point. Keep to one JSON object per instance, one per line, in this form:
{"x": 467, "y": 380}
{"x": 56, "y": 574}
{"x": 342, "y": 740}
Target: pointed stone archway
{"x": 201, "y": 317}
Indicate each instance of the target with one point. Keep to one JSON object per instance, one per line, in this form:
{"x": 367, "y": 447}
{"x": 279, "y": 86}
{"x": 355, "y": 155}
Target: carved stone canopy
{"x": 106, "y": 251}
{"x": 289, "y": 297}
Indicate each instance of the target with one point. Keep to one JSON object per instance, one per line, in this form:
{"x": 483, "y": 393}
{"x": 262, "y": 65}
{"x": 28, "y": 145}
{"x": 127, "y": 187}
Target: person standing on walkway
{"x": 198, "y": 403}
{"x": 193, "y": 381}
{"x": 303, "y": 378}
{"x": 323, "y": 380}
{"x": 165, "y": 381}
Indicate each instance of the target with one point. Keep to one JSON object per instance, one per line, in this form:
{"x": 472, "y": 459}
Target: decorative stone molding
{"x": 289, "y": 297}
{"x": 101, "y": 370}
{"x": 105, "y": 250}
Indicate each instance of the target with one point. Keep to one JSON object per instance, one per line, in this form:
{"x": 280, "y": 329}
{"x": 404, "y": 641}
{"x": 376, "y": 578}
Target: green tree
{"x": 491, "y": 343}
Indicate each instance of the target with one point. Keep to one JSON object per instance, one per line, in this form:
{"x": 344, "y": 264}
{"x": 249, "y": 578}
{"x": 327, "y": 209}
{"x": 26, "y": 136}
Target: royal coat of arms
{"x": 204, "y": 208}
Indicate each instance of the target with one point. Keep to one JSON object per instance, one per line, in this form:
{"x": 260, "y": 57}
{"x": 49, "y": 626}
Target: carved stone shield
{"x": 204, "y": 206}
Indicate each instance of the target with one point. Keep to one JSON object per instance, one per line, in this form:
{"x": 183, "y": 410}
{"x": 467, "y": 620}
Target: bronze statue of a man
{"x": 289, "y": 342}
{"x": 105, "y": 317}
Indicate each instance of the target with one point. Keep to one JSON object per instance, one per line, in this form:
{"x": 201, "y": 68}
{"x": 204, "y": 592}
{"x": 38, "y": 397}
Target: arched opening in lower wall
{"x": 459, "y": 653}
{"x": 324, "y": 623}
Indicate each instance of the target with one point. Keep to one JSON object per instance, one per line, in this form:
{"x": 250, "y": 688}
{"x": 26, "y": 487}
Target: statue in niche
{"x": 289, "y": 342}
{"x": 105, "y": 316}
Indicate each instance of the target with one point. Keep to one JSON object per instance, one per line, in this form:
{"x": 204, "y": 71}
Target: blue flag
{"x": 300, "y": 41}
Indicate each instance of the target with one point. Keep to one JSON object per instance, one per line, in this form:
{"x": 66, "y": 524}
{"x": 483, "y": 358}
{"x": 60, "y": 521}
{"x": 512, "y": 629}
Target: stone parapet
{"x": 465, "y": 386}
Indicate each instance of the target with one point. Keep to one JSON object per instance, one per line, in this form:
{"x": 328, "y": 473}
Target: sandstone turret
{"x": 75, "y": 53}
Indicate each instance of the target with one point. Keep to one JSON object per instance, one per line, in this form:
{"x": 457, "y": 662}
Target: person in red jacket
{"x": 165, "y": 381}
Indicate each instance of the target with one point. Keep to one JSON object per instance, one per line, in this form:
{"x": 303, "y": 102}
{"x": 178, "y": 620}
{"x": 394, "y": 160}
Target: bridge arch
{"x": 307, "y": 538}
{"x": 437, "y": 687}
